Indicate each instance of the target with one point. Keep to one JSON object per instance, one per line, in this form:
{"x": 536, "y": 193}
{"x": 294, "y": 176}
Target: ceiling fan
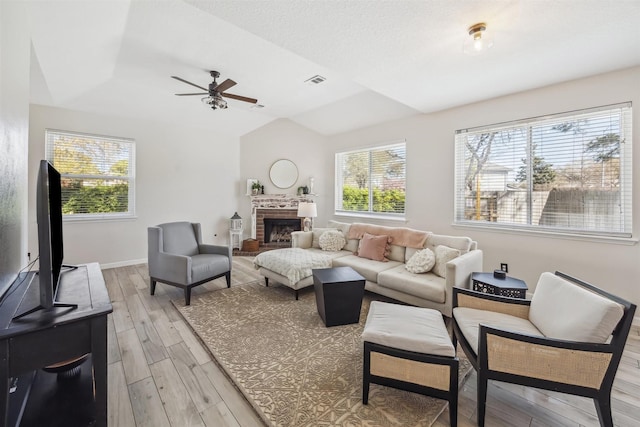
{"x": 216, "y": 92}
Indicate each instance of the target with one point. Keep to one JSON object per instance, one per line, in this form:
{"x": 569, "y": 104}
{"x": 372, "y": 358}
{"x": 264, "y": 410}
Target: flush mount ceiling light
{"x": 479, "y": 39}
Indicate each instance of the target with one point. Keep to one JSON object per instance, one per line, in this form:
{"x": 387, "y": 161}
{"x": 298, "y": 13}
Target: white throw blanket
{"x": 293, "y": 263}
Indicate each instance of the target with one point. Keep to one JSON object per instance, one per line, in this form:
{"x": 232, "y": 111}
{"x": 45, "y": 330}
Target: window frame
{"x": 339, "y": 184}
{"x": 130, "y": 177}
{"x": 626, "y": 178}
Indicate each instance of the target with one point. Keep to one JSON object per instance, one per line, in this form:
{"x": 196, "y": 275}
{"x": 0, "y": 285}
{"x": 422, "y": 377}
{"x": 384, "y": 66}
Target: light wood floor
{"x": 160, "y": 374}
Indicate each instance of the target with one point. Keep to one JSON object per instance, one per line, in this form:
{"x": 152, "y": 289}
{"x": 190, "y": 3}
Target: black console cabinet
{"x": 46, "y": 338}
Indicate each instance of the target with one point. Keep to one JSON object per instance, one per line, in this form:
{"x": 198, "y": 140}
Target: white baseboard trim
{"x": 123, "y": 263}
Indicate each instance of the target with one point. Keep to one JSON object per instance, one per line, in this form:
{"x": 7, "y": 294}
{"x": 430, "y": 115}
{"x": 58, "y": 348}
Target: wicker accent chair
{"x": 569, "y": 338}
{"x": 177, "y": 257}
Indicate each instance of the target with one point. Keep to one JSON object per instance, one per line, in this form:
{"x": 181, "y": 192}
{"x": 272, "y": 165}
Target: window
{"x": 566, "y": 173}
{"x": 372, "y": 181}
{"x": 98, "y": 174}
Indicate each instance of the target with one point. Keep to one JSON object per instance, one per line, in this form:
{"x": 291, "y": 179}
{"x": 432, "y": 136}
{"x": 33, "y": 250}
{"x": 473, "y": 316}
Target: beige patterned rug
{"x": 293, "y": 369}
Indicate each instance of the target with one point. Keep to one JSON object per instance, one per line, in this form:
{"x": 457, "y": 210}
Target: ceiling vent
{"x": 315, "y": 80}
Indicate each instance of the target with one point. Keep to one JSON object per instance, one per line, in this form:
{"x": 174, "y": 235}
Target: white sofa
{"x": 391, "y": 278}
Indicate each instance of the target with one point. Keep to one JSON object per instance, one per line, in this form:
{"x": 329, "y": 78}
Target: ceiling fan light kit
{"x": 479, "y": 39}
{"x": 215, "y": 92}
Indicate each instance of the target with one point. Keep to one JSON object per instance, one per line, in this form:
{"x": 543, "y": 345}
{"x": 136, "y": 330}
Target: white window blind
{"x": 98, "y": 174}
{"x": 372, "y": 181}
{"x": 564, "y": 173}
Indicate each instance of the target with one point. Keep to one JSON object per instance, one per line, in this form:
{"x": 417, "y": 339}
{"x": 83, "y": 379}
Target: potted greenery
{"x": 255, "y": 188}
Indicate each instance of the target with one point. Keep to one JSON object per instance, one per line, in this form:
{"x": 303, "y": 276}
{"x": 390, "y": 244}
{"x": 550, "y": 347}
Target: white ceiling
{"x": 383, "y": 59}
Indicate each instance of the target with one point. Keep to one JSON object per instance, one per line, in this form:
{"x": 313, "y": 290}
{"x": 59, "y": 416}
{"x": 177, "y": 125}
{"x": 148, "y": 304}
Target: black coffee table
{"x": 339, "y": 294}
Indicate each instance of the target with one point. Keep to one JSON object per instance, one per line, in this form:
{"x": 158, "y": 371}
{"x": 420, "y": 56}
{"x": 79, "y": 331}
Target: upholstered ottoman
{"x": 409, "y": 348}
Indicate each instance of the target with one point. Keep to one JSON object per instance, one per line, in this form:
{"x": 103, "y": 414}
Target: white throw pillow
{"x": 332, "y": 240}
{"x": 421, "y": 262}
{"x": 444, "y": 254}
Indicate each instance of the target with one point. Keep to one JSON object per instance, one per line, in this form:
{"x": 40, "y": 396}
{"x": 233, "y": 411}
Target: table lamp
{"x": 308, "y": 211}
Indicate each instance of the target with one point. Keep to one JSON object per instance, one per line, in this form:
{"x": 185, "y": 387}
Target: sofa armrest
{"x": 172, "y": 268}
{"x": 458, "y": 274}
{"x": 302, "y": 239}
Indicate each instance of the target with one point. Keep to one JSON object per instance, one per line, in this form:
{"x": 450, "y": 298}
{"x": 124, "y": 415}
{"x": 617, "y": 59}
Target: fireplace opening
{"x": 279, "y": 230}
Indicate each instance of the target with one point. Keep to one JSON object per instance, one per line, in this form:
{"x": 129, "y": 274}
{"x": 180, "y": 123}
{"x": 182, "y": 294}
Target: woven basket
{"x": 250, "y": 245}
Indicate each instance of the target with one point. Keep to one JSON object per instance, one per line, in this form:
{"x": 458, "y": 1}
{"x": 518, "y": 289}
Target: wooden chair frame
{"x": 424, "y": 369}
{"x": 551, "y": 364}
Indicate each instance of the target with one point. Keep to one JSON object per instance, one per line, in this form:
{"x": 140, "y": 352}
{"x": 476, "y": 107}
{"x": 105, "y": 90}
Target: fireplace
{"x": 278, "y": 230}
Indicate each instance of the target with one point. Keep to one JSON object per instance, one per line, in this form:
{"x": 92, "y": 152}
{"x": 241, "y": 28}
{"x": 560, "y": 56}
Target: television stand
{"x": 47, "y": 340}
{"x": 50, "y": 310}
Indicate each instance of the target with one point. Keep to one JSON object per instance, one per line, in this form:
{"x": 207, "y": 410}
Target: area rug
{"x": 293, "y": 369}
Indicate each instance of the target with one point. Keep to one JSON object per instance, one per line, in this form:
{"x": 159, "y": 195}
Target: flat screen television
{"x": 50, "y": 246}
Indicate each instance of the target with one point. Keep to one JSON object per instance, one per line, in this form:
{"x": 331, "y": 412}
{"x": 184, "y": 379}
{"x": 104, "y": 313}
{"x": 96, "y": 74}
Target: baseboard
{"x": 124, "y": 263}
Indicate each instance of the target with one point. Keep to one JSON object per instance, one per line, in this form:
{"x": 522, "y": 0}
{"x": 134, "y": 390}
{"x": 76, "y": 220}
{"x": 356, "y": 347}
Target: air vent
{"x": 315, "y": 80}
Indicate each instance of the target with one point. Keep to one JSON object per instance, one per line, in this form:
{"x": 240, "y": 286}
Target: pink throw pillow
{"x": 373, "y": 247}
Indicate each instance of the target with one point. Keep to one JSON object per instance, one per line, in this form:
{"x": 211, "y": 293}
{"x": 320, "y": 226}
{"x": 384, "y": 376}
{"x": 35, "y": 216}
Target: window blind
{"x": 98, "y": 173}
{"x": 568, "y": 172}
{"x": 372, "y": 180}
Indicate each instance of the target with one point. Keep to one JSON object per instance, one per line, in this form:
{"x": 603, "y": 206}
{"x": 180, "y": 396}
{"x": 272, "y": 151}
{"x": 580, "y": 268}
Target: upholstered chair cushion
{"x": 179, "y": 238}
{"x": 563, "y": 310}
{"x": 409, "y": 328}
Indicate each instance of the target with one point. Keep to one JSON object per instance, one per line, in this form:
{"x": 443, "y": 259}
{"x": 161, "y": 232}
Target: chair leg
{"x": 152, "y": 286}
{"x": 266, "y": 282}
{"x": 603, "y": 408}
{"x": 296, "y": 295}
{"x": 482, "y": 397}
{"x": 187, "y": 296}
{"x": 228, "y": 277}
{"x": 453, "y": 397}
{"x": 365, "y": 376}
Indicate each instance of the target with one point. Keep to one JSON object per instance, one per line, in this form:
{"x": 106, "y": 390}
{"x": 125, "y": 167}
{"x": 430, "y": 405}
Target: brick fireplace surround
{"x": 275, "y": 206}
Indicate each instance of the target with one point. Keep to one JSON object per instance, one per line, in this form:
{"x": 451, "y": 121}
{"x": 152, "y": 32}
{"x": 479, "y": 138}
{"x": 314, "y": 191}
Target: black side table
{"x": 507, "y": 287}
{"x": 339, "y": 293}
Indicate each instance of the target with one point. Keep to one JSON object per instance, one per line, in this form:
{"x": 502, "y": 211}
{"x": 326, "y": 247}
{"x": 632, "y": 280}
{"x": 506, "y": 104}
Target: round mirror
{"x": 283, "y": 173}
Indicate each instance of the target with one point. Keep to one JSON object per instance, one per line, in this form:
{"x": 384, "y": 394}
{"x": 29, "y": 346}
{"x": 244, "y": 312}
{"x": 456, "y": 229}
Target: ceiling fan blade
{"x": 189, "y": 83}
{"x": 225, "y": 85}
{"x": 190, "y": 94}
{"x": 239, "y": 98}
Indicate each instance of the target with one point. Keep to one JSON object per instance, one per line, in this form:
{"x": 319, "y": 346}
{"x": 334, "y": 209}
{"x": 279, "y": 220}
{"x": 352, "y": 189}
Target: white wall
{"x": 284, "y": 139}
{"x": 430, "y": 177}
{"x": 181, "y": 174}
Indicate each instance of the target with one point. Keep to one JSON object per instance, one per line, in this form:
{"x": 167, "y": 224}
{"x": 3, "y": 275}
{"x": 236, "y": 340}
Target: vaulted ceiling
{"x": 382, "y": 59}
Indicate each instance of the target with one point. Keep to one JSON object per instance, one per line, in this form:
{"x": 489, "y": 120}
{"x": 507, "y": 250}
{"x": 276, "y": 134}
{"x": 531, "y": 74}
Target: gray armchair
{"x": 178, "y": 257}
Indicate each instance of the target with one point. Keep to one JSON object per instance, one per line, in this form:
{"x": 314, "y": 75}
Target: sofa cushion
{"x": 421, "y": 262}
{"x": 396, "y": 253}
{"x": 461, "y": 243}
{"x": 330, "y": 254}
{"x": 332, "y": 240}
{"x": 368, "y": 268}
{"x": 352, "y": 244}
{"x": 427, "y": 286}
{"x": 443, "y": 254}
{"x": 373, "y": 247}
{"x": 469, "y": 320}
{"x": 566, "y": 311}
